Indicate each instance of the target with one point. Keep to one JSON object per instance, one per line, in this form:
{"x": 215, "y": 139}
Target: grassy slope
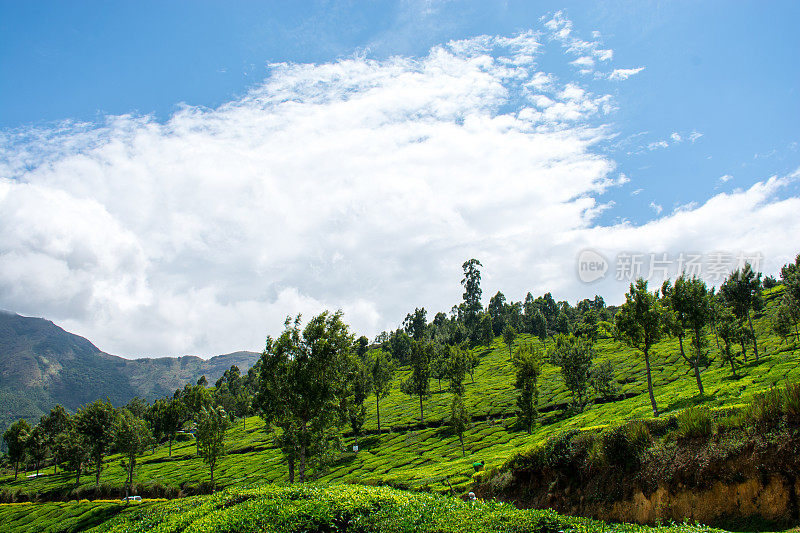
{"x": 431, "y": 457}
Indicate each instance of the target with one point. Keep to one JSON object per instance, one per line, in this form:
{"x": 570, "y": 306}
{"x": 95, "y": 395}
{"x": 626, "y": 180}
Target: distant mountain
{"x": 42, "y": 365}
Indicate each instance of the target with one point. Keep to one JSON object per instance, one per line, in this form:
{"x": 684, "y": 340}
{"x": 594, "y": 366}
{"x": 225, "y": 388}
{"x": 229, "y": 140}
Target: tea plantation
{"x": 407, "y": 454}
{"x": 313, "y": 508}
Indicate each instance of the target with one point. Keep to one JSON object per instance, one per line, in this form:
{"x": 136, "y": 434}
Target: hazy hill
{"x": 42, "y": 365}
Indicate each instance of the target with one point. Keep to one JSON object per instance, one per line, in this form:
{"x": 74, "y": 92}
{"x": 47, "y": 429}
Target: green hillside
{"x": 429, "y": 457}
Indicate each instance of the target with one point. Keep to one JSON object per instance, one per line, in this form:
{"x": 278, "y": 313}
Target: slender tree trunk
{"x": 170, "y": 446}
{"x": 244, "y": 423}
{"x": 753, "y": 331}
{"x": 696, "y": 341}
{"x": 99, "y": 462}
{"x": 78, "y": 475}
{"x": 16, "y": 469}
{"x": 212, "y": 476}
{"x": 650, "y": 381}
{"x": 697, "y": 377}
{"x": 290, "y": 460}
{"x": 730, "y": 358}
{"x": 378, "y": 411}
{"x": 302, "y": 469}
{"x": 421, "y": 414}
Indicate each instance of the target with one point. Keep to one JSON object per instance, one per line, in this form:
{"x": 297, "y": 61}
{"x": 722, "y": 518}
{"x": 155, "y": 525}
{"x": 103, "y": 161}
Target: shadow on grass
{"x": 683, "y": 403}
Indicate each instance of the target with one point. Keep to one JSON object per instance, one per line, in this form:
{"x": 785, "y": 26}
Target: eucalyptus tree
{"x": 688, "y": 305}
{"x": 132, "y": 437}
{"x": 730, "y": 331}
{"x": 457, "y": 367}
{"x": 36, "y": 446}
{"x": 539, "y": 326}
{"x": 303, "y": 383}
{"x": 15, "y": 438}
{"x": 72, "y": 450}
{"x": 382, "y": 368}
{"x": 361, "y": 386}
{"x": 472, "y": 293}
{"x": 95, "y": 423}
{"x": 212, "y": 425}
{"x": 459, "y": 419}
{"x": 639, "y": 322}
{"x": 573, "y": 356}
{"x": 509, "y": 336}
{"x": 527, "y": 362}
{"x": 53, "y": 424}
{"x": 742, "y": 292}
{"x": 418, "y": 383}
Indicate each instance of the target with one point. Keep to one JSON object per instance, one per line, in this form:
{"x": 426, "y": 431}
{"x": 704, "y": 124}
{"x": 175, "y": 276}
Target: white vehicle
{"x": 132, "y": 499}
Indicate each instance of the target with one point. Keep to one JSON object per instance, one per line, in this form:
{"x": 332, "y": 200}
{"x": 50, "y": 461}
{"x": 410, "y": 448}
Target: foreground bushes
{"x": 347, "y": 508}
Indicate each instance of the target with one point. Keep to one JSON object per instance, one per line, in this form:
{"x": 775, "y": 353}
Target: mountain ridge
{"x": 42, "y": 365}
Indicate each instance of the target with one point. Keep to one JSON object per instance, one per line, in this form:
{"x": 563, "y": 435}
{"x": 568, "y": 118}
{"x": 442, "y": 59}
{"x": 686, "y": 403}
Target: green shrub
{"x": 791, "y": 402}
{"x": 765, "y": 410}
{"x": 695, "y": 423}
{"x": 623, "y": 445}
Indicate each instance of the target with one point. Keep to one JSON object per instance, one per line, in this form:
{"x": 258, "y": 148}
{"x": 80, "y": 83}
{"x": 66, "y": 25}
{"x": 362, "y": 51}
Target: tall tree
{"x": 472, "y": 292}
{"x": 360, "y": 380}
{"x": 72, "y": 450}
{"x": 459, "y": 419}
{"x": 167, "y": 417}
{"x": 132, "y": 437}
{"x": 53, "y": 424}
{"x": 496, "y": 310}
{"x": 527, "y": 362}
{"x": 742, "y": 291}
{"x": 303, "y": 382}
{"x": 212, "y": 425}
{"x": 640, "y": 322}
{"x": 15, "y": 437}
{"x": 509, "y": 336}
{"x": 382, "y": 376}
{"x": 484, "y": 334}
{"x": 416, "y": 324}
{"x": 95, "y": 422}
{"x": 418, "y": 383}
{"x": 574, "y": 357}
{"x": 730, "y": 330}
{"x": 539, "y": 326}
{"x": 457, "y": 368}
{"x": 36, "y": 446}
{"x": 689, "y": 305}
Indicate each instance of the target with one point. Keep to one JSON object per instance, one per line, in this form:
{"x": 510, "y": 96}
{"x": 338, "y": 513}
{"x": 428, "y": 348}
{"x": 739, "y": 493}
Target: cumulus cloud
{"x": 358, "y": 184}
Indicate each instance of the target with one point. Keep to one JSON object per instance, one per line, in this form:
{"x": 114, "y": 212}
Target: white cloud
{"x": 657, "y": 144}
{"x": 621, "y": 74}
{"x": 656, "y": 207}
{"x": 676, "y": 137}
{"x": 694, "y": 136}
{"x": 358, "y": 184}
{"x": 725, "y": 178}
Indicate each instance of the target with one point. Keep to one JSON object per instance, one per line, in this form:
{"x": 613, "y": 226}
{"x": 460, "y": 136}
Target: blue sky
{"x": 685, "y": 109}
{"x": 730, "y": 71}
